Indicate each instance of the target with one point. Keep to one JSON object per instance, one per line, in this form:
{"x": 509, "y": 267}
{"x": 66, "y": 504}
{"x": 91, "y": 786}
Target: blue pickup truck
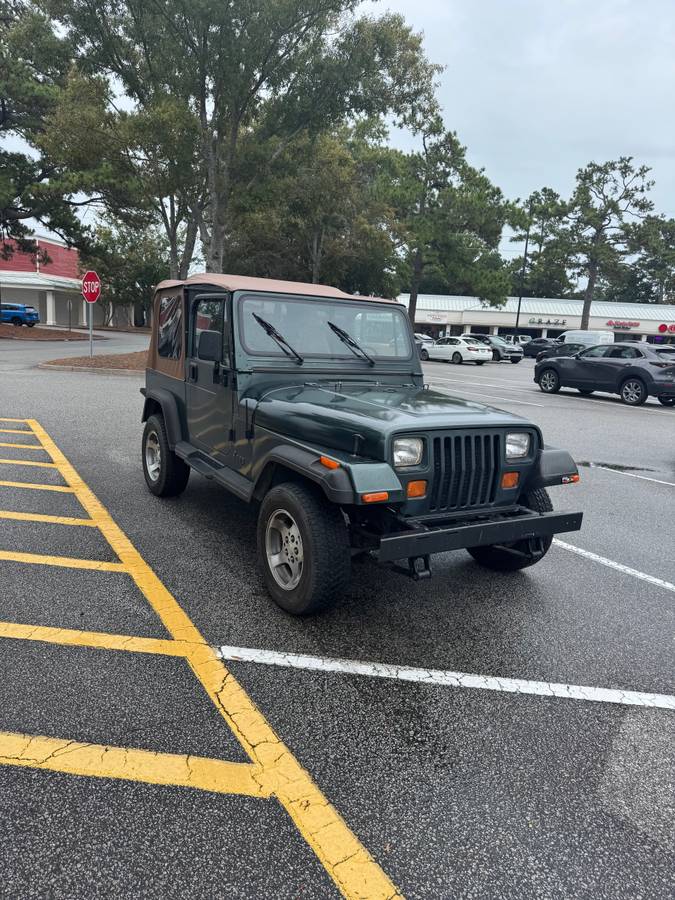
{"x": 18, "y": 314}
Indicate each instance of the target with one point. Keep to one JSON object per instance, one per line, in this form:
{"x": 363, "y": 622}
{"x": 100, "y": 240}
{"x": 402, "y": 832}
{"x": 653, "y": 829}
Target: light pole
{"x": 522, "y": 271}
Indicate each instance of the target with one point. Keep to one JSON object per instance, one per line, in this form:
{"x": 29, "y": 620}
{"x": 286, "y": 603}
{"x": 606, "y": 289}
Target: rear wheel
{"x": 633, "y": 392}
{"x": 549, "y": 382}
{"x": 166, "y": 474}
{"x": 457, "y": 359}
{"x": 521, "y": 554}
{"x": 424, "y": 354}
{"x": 667, "y": 401}
{"x": 303, "y": 549}
{"x": 16, "y": 321}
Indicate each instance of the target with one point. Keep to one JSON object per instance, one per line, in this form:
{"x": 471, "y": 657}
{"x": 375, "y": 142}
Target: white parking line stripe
{"x": 443, "y": 678}
{"x": 632, "y": 475}
{"x": 619, "y": 567}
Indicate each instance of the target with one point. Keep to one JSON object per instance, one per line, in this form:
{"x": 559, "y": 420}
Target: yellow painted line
{"x": 22, "y": 446}
{"x": 41, "y": 517}
{"x": 68, "y": 562}
{"x": 15, "y": 430}
{"x": 101, "y": 761}
{"x": 27, "y": 462}
{"x": 61, "y": 488}
{"x": 22, "y": 421}
{"x": 100, "y": 640}
{"x": 346, "y": 860}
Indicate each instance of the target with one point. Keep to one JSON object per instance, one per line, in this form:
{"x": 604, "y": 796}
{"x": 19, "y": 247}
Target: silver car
{"x": 501, "y": 349}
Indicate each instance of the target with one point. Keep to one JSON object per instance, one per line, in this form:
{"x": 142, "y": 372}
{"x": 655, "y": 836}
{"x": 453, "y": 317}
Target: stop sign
{"x": 91, "y": 287}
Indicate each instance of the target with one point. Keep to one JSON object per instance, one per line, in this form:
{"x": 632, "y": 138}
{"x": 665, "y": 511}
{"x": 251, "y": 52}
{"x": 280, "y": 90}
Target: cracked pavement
{"x": 454, "y": 791}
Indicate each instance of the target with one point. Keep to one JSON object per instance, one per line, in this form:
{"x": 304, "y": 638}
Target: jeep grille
{"x": 466, "y": 471}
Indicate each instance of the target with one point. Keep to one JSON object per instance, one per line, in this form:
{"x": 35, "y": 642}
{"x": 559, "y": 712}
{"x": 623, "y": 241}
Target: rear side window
{"x": 667, "y": 353}
{"x": 624, "y": 353}
{"x": 170, "y": 327}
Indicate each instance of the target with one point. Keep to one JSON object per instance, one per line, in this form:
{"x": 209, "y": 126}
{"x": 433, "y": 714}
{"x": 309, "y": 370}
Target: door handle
{"x": 193, "y": 371}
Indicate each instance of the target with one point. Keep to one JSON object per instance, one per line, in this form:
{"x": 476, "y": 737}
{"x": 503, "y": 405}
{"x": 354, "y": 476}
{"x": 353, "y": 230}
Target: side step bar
{"x": 232, "y": 481}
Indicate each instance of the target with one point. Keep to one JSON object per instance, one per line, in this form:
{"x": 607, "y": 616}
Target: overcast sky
{"x": 538, "y": 88}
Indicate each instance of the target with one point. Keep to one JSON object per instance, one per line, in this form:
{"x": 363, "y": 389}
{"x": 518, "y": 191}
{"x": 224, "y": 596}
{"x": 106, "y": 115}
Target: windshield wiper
{"x": 349, "y": 341}
{"x": 279, "y": 338}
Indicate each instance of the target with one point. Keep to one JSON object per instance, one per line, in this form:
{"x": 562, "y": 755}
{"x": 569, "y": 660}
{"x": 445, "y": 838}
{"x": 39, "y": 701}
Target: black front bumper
{"x": 506, "y": 530}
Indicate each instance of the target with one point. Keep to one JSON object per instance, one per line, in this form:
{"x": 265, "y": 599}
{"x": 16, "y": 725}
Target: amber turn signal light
{"x": 416, "y": 489}
{"x": 377, "y": 497}
{"x": 328, "y": 462}
{"x": 570, "y": 479}
{"x": 510, "y": 480}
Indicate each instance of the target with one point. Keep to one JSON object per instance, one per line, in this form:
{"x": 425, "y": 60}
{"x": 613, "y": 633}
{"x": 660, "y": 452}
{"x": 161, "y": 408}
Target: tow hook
{"x": 419, "y": 568}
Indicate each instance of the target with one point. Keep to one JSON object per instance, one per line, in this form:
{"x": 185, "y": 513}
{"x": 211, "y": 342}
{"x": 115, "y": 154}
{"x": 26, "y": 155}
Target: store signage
{"x": 553, "y": 322}
{"x": 437, "y": 317}
{"x": 664, "y": 329}
{"x": 615, "y": 323}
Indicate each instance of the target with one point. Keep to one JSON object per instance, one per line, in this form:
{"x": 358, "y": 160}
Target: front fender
{"x": 551, "y": 467}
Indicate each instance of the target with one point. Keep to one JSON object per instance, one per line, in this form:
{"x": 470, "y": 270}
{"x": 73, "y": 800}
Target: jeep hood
{"x": 331, "y": 415}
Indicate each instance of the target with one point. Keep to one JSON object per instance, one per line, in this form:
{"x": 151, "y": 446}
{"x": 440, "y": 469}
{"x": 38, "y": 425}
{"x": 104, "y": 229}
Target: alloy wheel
{"x": 284, "y": 550}
{"x": 153, "y": 456}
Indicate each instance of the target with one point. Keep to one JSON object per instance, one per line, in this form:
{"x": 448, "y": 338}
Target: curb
{"x": 92, "y": 370}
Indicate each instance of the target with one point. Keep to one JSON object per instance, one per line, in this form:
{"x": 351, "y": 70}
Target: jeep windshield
{"x": 381, "y": 330}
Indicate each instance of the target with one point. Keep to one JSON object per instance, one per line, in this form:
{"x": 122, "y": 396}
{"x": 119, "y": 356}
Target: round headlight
{"x": 407, "y": 451}
{"x": 517, "y": 444}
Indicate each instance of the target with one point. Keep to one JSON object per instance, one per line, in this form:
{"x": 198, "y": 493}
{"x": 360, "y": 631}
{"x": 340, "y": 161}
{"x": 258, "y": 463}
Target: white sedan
{"x": 457, "y": 350}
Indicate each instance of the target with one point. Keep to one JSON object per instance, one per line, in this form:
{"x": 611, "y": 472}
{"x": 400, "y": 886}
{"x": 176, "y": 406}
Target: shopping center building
{"x": 541, "y": 317}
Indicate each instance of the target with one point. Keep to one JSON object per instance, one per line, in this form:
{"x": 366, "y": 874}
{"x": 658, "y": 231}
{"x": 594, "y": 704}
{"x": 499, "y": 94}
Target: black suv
{"x": 311, "y": 404}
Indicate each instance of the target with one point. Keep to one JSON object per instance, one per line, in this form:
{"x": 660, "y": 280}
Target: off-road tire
{"x": 493, "y": 557}
{"x": 424, "y": 355}
{"x": 173, "y": 473}
{"x": 552, "y": 385}
{"x": 326, "y": 567}
{"x": 457, "y": 359}
{"x": 585, "y": 392}
{"x": 640, "y": 392}
{"x": 667, "y": 401}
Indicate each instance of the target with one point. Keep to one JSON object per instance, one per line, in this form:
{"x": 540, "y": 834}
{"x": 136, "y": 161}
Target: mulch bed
{"x": 23, "y": 333}
{"x": 135, "y": 361}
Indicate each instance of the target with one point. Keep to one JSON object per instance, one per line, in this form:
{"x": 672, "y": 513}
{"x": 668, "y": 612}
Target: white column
{"x": 51, "y": 309}
{"x": 544, "y": 332}
{"x": 83, "y": 313}
{"x": 494, "y": 329}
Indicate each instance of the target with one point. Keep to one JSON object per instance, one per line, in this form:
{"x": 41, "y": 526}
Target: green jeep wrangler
{"x": 312, "y": 404}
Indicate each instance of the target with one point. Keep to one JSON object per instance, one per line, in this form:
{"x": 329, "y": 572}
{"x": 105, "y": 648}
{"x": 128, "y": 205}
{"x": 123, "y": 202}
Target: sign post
{"x": 91, "y": 291}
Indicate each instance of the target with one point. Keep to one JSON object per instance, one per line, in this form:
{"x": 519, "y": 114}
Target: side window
{"x": 452, "y": 341}
{"x": 595, "y": 352}
{"x": 210, "y": 314}
{"x": 625, "y": 353}
{"x": 170, "y": 327}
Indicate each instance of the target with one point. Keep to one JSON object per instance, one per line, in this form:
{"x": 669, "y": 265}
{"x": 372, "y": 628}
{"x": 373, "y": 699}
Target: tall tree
{"x": 547, "y": 271}
{"x": 595, "y": 232}
{"x": 450, "y": 220}
{"x": 280, "y": 66}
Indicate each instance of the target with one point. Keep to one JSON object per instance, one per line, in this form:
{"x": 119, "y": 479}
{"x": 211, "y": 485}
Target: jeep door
{"x": 209, "y": 381}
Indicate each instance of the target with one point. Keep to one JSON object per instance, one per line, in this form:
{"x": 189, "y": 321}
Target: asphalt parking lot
{"x": 166, "y": 731}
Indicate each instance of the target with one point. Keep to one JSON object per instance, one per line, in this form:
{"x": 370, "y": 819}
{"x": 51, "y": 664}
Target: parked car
{"x": 310, "y": 405}
{"x": 536, "y": 345}
{"x": 518, "y": 339}
{"x": 587, "y": 338}
{"x": 560, "y": 350}
{"x": 423, "y": 338}
{"x": 19, "y": 314}
{"x": 633, "y": 370}
{"x": 457, "y": 350}
{"x": 499, "y": 347}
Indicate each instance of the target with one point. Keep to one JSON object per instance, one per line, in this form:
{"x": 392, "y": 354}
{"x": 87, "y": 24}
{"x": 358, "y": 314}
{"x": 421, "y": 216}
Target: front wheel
{"x": 166, "y": 474}
{"x": 457, "y": 359}
{"x": 424, "y": 355}
{"x": 633, "y": 392}
{"x": 521, "y": 554}
{"x": 549, "y": 382}
{"x": 30, "y": 324}
{"x": 667, "y": 401}
{"x": 303, "y": 549}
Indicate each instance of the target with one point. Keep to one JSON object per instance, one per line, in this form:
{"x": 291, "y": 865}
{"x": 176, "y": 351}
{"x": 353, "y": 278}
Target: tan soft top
{"x": 267, "y": 285}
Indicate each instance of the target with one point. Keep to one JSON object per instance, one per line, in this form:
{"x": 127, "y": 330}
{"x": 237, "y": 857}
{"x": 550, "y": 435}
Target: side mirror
{"x": 209, "y": 347}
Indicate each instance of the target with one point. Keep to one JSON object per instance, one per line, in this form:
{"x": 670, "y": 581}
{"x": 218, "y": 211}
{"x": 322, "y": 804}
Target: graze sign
{"x": 666, "y": 329}
{"x": 553, "y": 322}
{"x": 615, "y": 323}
